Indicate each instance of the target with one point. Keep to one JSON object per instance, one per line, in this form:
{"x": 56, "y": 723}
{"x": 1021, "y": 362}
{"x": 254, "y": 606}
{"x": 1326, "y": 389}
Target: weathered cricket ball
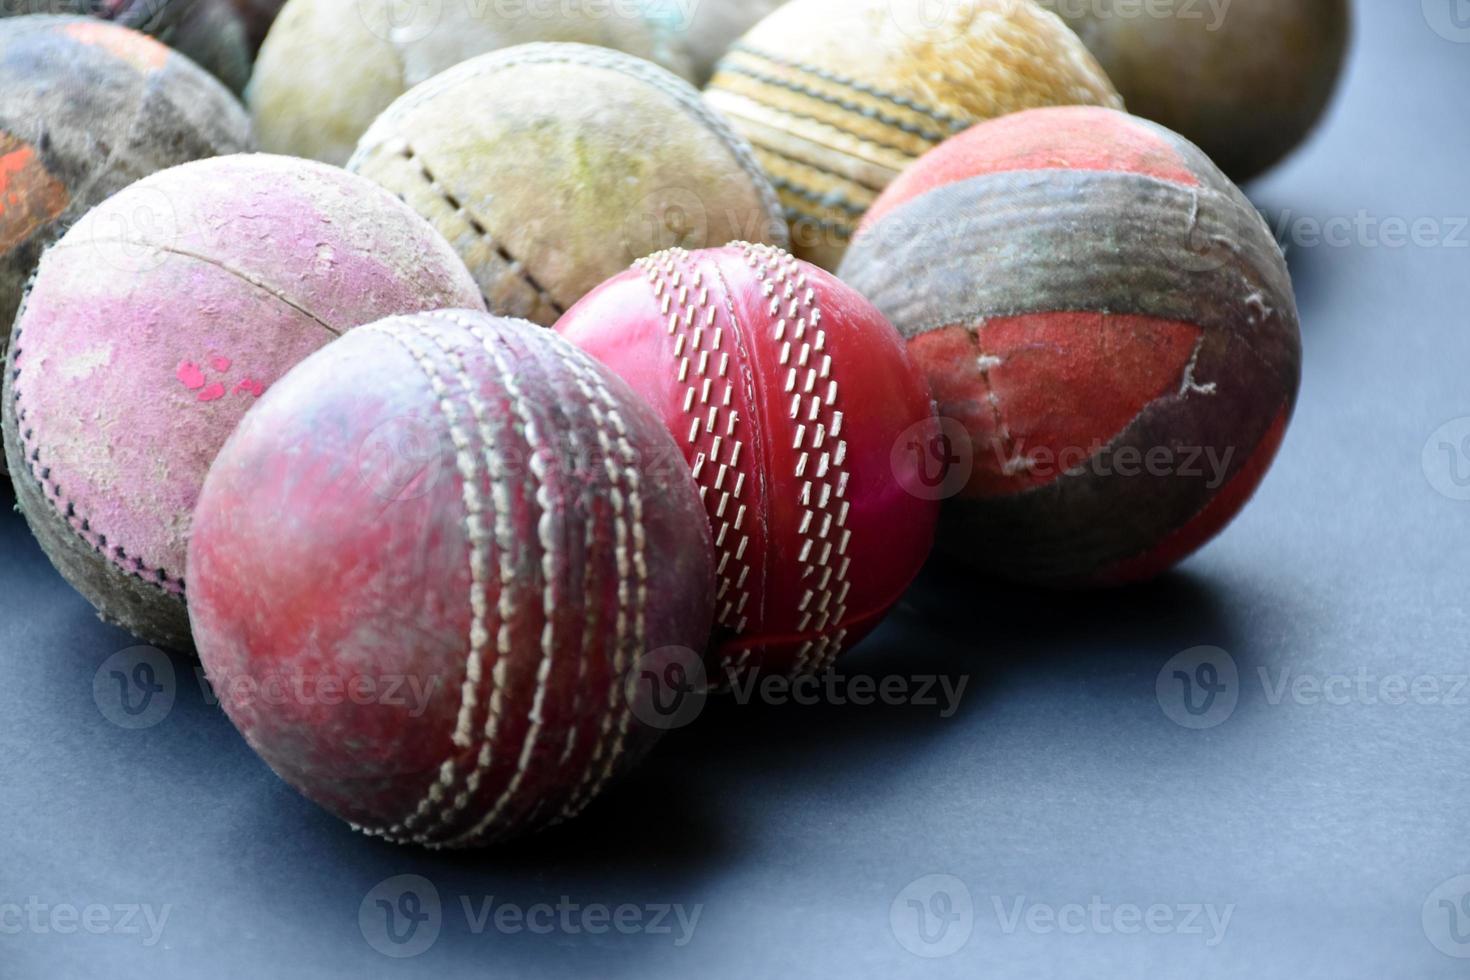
{"x": 839, "y": 96}
{"x": 156, "y": 321}
{"x": 328, "y": 68}
{"x": 1245, "y": 80}
{"x": 552, "y": 167}
{"x": 86, "y": 108}
{"x": 1110, "y": 332}
{"x": 787, "y": 393}
{"x": 538, "y": 552}
{"x": 209, "y": 32}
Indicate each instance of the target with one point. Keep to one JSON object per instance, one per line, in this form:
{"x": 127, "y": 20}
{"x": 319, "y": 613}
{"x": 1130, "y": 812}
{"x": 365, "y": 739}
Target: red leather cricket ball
{"x": 1110, "y": 332}
{"x": 426, "y": 565}
{"x": 787, "y": 392}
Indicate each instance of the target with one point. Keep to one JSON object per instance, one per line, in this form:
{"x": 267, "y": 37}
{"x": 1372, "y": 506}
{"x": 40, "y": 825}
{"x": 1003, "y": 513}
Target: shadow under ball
{"x": 156, "y": 321}
{"x": 1246, "y": 84}
{"x": 545, "y": 548}
{"x": 553, "y": 167}
{"x": 69, "y": 85}
{"x": 329, "y": 67}
{"x": 209, "y": 32}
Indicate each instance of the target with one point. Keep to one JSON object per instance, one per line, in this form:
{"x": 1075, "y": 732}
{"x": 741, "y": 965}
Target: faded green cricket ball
{"x": 1245, "y": 80}
{"x": 329, "y": 67}
{"x": 553, "y": 167}
{"x": 87, "y": 108}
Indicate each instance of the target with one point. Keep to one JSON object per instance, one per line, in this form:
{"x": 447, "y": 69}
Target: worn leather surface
{"x": 1059, "y": 778}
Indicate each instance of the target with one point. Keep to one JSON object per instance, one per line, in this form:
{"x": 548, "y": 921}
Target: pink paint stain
{"x": 250, "y": 385}
{"x": 220, "y": 364}
{"x": 212, "y": 393}
{"x": 190, "y": 375}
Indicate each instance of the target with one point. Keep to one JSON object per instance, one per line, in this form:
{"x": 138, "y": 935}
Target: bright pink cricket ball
{"x": 788, "y": 393}
{"x": 427, "y": 567}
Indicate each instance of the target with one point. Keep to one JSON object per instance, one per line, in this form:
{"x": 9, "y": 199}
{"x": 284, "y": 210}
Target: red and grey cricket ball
{"x": 87, "y": 108}
{"x": 210, "y": 33}
{"x": 153, "y": 325}
{"x": 483, "y": 534}
{"x": 786, "y": 391}
{"x": 1107, "y": 320}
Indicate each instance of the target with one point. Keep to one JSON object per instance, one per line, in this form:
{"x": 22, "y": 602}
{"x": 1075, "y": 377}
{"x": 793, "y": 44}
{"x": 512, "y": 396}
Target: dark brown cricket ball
{"x": 1246, "y": 80}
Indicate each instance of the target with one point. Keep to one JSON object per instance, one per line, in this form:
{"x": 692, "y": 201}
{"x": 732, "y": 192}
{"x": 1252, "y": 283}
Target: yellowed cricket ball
{"x": 839, "y": 96}
{"x": 553, "y": 167}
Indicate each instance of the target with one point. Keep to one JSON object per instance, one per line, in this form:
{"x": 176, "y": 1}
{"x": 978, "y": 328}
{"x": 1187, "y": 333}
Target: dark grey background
{"x": 1324, "y": 827}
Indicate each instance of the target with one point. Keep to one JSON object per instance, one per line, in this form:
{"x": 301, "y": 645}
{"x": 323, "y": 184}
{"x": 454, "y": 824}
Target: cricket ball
{"x": 209, "y": 32}
{"x": 1246, "y": 81}
{"x": 541, "y": 550}
{"x": 840, "y": 96}
{"x": 787, "y": 393}
{"x": 156, "y": 321}
{"x": 552, "y": 167}
{"x": 86, "y": 108}
{"x": 329, "y": 68}
{"x": 1109, "y": 329}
